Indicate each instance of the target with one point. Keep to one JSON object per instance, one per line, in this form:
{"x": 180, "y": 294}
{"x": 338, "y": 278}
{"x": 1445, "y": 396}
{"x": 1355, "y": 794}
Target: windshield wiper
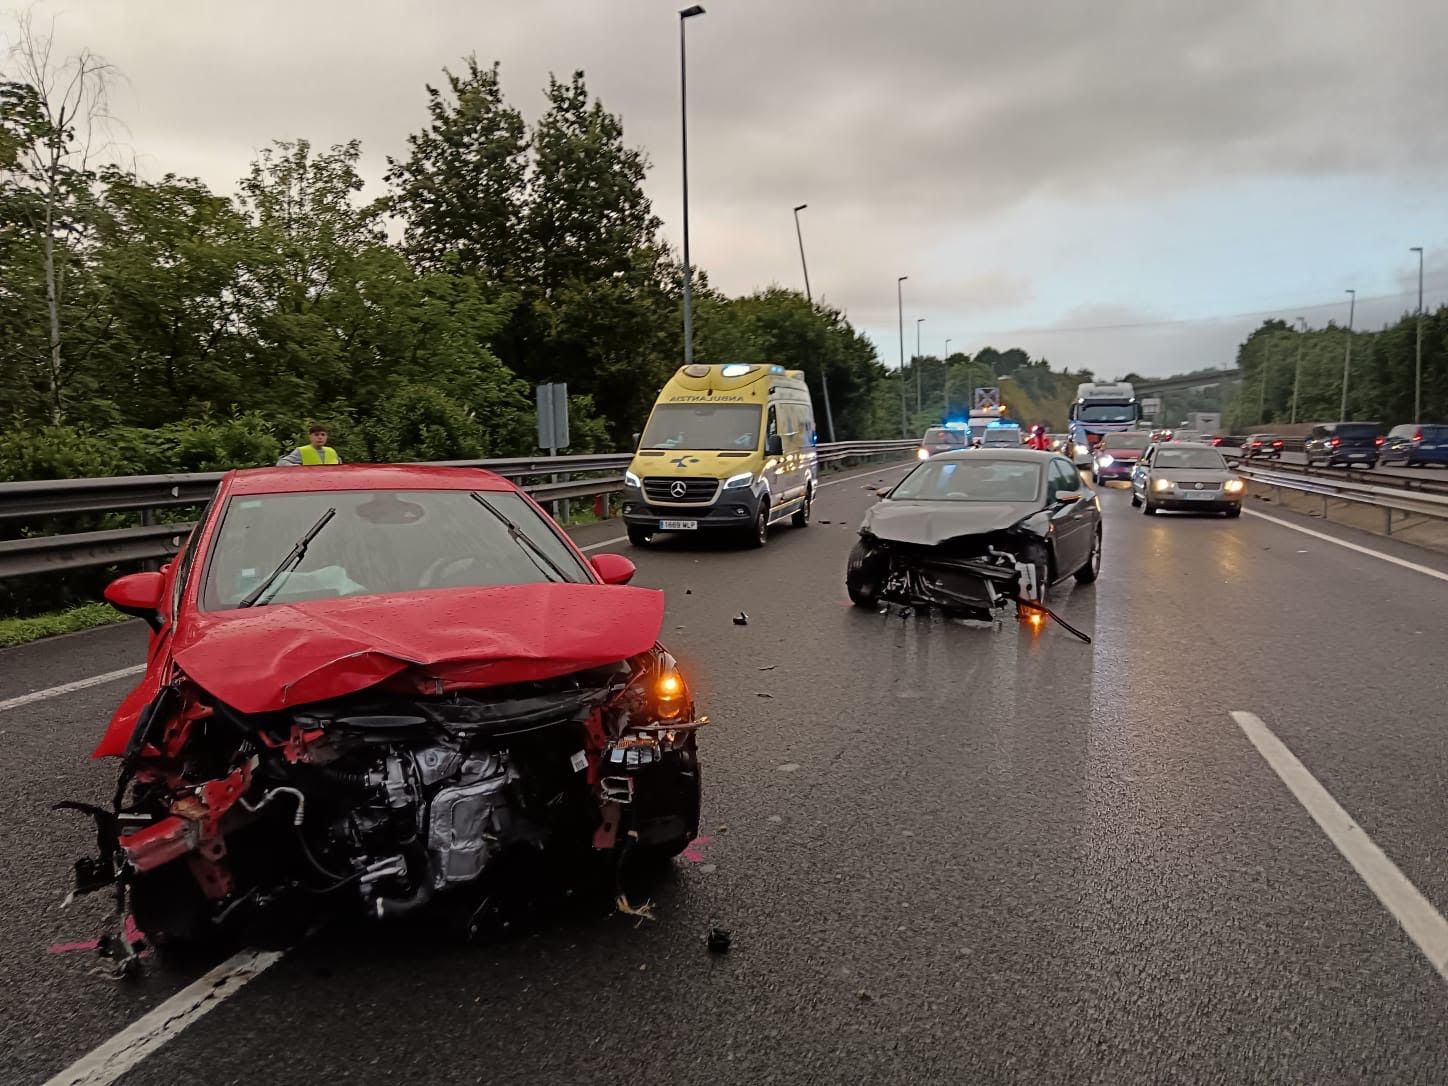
{"x": 291, "y": 561}
{"x": 540, "y": 559}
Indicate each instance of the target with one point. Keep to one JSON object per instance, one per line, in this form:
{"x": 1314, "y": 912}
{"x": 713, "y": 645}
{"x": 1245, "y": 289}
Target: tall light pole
{"x": 1297, "y": 373}
{"x": 1262, "y": 387}
{"x": 1347, "y": 356}
{"x": 1418, "y": 355}
{"x": 684, "y": 16}
{"x": 900, "y": 313}
{"x": 947, "y": 379}
{"x": 918, "y": 322}
{"x": 824, "y": 378}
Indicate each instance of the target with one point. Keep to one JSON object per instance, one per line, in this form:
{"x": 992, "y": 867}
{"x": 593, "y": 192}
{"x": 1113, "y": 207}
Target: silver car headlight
{"x": 738, "y": 482}
{"x": 1234, "y": 486}
{"x": 630, "y": 479}
{"x": 1161, "y": 484}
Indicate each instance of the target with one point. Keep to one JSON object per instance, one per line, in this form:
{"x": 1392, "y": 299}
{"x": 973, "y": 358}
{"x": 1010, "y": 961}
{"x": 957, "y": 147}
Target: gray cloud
{"x": 906, "y": 124}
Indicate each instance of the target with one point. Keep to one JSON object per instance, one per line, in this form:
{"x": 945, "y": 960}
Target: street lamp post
{"x": 947, "y": 378}
{"x": 918, "y": 322}
{"x": 824, "y": 378}
{"x": 1418, "y": 354}
{"x": 900, "y": 313}
{"x": 1347, "y": 355}
{"x": 1297, "y": 373}
{"x": 684, "y": 16}
{"x": 1262, "y": 385}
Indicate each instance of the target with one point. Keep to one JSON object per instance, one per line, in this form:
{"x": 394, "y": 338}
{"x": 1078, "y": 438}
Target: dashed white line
{"x": 1394, "y": 559}
{"x": 71, "y": 688}
{"x": 1423, "y": 923}
{"x": 115, "y": 1057}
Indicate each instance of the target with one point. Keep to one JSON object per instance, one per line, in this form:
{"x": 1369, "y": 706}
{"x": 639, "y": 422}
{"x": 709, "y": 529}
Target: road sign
{"x": 987, "y": 399}
{"x": 553, "y": 417}
{"x": 1150, "y": 407}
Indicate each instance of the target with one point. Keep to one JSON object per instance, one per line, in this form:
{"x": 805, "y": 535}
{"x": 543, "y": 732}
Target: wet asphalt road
{"x": 946, "y": 853}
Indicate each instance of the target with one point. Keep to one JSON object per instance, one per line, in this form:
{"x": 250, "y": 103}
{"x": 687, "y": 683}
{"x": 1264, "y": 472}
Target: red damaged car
{"x": 372, "y": 682}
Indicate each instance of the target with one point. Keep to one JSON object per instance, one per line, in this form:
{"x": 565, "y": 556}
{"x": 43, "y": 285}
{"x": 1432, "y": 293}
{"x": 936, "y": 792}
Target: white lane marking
{"x": 831, "y": 482}
{"x": 1423, "y": 923}
{"x": 605, "y": 543}
{"x": 71, "y": 688}
{"x": 115, "y": 1057}
{"x": 1414, "y": 566}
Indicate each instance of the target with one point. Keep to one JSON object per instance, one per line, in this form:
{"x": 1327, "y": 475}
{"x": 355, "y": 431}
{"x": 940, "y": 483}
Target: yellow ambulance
{"x": 726, "y": 447}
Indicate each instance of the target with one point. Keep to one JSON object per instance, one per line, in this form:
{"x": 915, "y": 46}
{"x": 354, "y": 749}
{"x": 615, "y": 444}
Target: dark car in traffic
{"x": 974, "y": 531}
{"x": 1344, "y": 444}
{"x": 1116, "y": 454}
{"x": 1415, "y": 445}
{"x": 1262, "y": 447}
{"x": 1186, "y": 477}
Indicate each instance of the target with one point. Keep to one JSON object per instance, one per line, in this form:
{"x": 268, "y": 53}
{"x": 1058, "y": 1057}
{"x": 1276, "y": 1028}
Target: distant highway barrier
{"x": 25, "y": 504}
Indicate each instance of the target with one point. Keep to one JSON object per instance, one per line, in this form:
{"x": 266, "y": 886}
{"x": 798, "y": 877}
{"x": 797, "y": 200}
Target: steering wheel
{"x": 436, "y": 575}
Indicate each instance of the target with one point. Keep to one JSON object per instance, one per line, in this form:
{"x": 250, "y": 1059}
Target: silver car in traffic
{"x": 1186, "y": 476}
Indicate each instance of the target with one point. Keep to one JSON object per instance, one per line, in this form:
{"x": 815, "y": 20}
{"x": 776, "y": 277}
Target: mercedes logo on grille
{"x": 679, "y": 488}
{"x": 1198, "y": 486}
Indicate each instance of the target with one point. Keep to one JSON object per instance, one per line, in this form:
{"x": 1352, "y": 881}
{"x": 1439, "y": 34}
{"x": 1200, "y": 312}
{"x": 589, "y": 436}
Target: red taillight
{"x": 1277, "y": 444}
{"x": 1335, "y": 442}
{"x": 1256, "y": 444}
{"x": 1379, "y": 440}
{"x": 1418, "y": 436}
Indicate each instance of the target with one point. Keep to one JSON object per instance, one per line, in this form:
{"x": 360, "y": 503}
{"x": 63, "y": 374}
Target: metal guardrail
{"x": 1391, "y": 498}
{"x": 38, "y": 500}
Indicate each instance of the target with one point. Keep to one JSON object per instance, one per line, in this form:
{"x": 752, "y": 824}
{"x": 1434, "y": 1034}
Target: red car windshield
{"x": 379, "y": 542}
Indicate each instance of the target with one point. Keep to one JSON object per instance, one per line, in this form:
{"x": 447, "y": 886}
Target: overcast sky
{"x": 1099, "y": 182}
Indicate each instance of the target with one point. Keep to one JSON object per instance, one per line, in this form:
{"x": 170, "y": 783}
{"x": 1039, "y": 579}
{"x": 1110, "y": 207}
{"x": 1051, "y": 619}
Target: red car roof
{"x": 296, "y": 480}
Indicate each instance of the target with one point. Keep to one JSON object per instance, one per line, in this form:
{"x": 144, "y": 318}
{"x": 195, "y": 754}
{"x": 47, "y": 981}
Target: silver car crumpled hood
{"x": 930, "y": 523}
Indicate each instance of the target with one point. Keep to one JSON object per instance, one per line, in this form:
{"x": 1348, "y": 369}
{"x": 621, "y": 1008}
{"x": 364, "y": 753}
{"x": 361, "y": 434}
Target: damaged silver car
{"x": 973, "y": 532}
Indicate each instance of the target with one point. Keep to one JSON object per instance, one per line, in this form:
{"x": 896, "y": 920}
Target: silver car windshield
{"x": 1190, "y": 459}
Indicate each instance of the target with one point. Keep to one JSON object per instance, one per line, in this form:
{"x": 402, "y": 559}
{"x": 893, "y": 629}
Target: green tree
{"x": 460, "y": 191}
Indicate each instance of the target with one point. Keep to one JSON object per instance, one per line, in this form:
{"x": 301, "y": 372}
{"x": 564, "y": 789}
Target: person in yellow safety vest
{"x": 317, "y": 452}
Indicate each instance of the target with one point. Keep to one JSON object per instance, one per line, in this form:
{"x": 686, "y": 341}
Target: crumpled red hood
{"x": 267, "y": 658}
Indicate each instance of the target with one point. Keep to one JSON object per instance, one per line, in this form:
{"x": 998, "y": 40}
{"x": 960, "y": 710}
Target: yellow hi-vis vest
{"x": 325, "y": 455}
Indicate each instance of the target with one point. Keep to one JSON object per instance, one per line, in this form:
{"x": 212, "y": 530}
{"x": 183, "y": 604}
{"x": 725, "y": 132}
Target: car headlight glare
{"x": 1161, "y": 484}
{"x": 922, "y": 454}
{"x": 1106, "y": 460}
{"x": 630, "y": 479}
{"x": 738, "y": 482}
{"x": 1234, "y": 486}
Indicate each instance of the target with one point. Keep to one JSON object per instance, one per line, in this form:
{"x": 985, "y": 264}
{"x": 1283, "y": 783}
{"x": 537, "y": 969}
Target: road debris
{"x": 789, "y": 767}
{"x": 720, "y": 940}
{"x": 643, "y": 912}
{"x": 763, "y": 695}
{"x": 771, "y": 667}
{"x": 741, "y": 619}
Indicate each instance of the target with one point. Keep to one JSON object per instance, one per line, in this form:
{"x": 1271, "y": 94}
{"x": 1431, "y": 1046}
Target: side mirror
{"x": 138, "y": 594}
{"x": 613, "y": 568}
{"x": 774, "y": 446}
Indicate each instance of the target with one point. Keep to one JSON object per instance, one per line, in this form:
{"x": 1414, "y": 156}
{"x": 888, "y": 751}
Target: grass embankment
{"x": 19, "y": 631}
